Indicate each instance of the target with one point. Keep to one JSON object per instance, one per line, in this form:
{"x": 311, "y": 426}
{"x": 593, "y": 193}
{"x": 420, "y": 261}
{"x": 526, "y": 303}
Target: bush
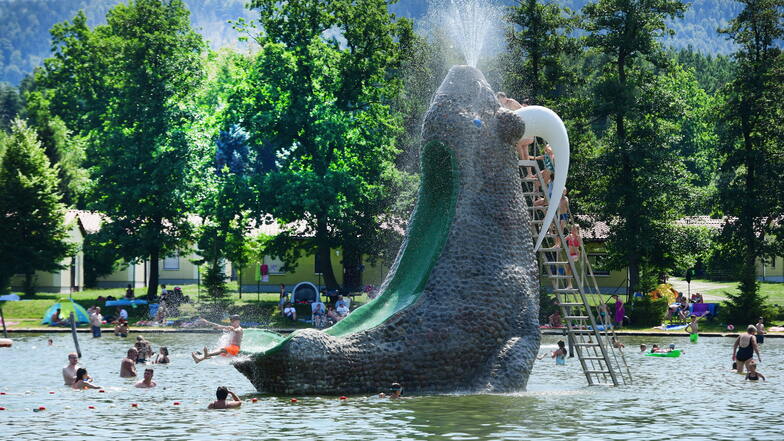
{"x": 647, "y": 312}
{"x": 547, "y": 305}
{"x": 742, "y": 309}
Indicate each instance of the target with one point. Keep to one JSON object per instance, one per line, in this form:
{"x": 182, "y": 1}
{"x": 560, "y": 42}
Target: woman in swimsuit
{"x": 560, "y": 353}
{"x": 744, "y": 348}
{"x": 81, "y": 380}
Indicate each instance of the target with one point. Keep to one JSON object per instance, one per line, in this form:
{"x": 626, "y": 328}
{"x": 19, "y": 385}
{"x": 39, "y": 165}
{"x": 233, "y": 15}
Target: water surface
{"x": 691, "y": 397}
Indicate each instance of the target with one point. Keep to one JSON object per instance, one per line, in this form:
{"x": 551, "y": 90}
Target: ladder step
{"x": 593, "y": 358}
{"x": 533, "y": 193}
{"x": 587, "y": 344}
{"x": 534, "y": 179}
{"x": 571, "y": 304}
{"x": 566, "y": 290}
{"x": 576, "y": 317}
{"x": 558, "y": 276}
{"x": 549, "y": 250}
{"x": 597, "y": 372}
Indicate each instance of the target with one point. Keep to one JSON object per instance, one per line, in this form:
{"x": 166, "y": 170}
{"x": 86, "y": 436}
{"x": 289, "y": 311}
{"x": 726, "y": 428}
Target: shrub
{"x": 742, "y": 309}
{"x": 547, "y": 305}
{"x": 647, "y": 312}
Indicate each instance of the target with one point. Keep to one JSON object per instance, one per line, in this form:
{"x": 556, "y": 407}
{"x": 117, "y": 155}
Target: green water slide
{"x": 427, "y": 234}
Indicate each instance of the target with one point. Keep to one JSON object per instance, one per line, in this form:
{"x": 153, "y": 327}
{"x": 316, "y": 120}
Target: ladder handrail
{"x": 592, "y": 362}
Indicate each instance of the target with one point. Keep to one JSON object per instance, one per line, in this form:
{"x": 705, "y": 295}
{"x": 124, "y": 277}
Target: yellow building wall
{"x": 304, "y": 272}
{"x": 771, "y": 270}
{"x": 610, "y": 282}
{"x": 59, "y": 281}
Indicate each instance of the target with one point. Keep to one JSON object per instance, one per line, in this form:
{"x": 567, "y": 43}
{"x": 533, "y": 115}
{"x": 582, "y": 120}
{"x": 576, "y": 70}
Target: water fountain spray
{"x": 473, "y": 26}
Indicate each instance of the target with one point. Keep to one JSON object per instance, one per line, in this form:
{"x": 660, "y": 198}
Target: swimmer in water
{"x": 221, "y": 394}
{"x": 147, "y": 382}
{"x": 643, "y": 347}
{"x": 235, "y": 340}
{"x": 395, "y": 391}
{"x": 82, "y": 380}
{"x": 560, "y": 353}
{"x": 753, "y": 375}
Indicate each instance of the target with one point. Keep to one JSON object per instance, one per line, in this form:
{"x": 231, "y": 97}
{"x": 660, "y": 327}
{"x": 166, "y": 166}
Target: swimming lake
{"x": 694, "y": 397}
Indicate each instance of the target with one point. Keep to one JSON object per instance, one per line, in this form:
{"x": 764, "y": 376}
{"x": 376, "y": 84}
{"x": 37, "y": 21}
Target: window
{"x": 274, "y": 265}
{"x": 171, "y": 263}
{"x": 598, "y": 264}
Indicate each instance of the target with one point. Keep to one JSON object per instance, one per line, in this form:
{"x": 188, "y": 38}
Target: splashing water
{"x": 474, "y": 26}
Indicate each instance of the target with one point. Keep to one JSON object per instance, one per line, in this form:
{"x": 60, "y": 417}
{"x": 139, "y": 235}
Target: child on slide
{"x": 235, "y": 339}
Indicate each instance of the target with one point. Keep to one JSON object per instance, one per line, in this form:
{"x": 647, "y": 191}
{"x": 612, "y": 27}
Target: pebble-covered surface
{"x": 475, "y": 327}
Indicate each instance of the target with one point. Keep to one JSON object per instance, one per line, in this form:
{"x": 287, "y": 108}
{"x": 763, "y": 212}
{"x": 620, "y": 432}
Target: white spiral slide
{"x": 544, "y": 123}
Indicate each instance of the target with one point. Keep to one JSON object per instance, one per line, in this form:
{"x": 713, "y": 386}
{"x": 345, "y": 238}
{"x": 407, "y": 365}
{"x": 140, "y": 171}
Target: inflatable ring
{"x": 5, "y": 343}
{"x": 672, "y": 353}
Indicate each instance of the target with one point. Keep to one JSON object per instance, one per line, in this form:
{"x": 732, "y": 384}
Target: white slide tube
{"x": 544, "y": 123}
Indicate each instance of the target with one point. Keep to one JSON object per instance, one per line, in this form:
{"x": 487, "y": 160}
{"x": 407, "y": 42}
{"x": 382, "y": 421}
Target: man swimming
{"x": 221, "y": 394}
{"x": 235, "y": 339}
{"x": 147, "y": 382}
{"x": 128, "y": 364}
{"x": 69, "y": 372}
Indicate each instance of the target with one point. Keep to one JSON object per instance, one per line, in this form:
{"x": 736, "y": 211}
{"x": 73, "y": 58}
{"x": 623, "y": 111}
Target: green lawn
{"x": 773, "y": 291}
{"x": 253, "y": 307}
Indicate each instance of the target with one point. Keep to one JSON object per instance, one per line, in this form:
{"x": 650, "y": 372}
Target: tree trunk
{"x": 748, "y": 277}
{"x": 152, "y": 285}
{"x": 323, "y": 250}
{"x": 352, "y": 270}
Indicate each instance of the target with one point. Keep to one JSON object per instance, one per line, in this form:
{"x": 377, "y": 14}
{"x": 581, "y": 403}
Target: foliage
{"x": 640, "y": 188}
{"x": 128, "y": 86}
{"x": 32, "y": 218}
{"x": 10, "y": 105}
{"x": 101, "y": 257}
{"x": 646, "y": 312}
{"x": 750, "y": 112}
{"x": 322, "y": 104}
{"x": 744, "y": 309}
{"x": 541, "y": 36}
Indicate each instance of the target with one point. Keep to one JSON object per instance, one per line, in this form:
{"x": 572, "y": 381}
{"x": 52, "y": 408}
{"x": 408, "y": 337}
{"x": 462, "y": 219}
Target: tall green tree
{"x": 10, "y": 105}
{"x": 639, "y": 174}
{"x": 129, "y": 86}
{"x": 31, "y": 214}
{"x": 540, "y": 41}
{"x": 318, "y": 95}
{"x": 750, "y": 116}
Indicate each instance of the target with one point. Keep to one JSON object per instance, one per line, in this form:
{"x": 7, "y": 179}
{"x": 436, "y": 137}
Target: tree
{"x": 129, "y": 87}
{"x": 320, "y": 100}
{"x": 10, "y": 105}
{"x": 639, "y": 174}
{"x": 539, "y": 43}
{"x": 31, "y": 215}
{"x": 225, "y": 209}
{"x": 750, "y": 115}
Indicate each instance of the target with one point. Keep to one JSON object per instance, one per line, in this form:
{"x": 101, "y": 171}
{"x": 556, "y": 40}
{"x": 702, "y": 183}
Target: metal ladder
{"x": 601, "y": 361}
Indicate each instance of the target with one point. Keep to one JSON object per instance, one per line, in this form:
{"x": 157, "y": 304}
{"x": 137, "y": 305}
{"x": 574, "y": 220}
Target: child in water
{"x": 753, "y": 375}
{"x": 560, "y": 353}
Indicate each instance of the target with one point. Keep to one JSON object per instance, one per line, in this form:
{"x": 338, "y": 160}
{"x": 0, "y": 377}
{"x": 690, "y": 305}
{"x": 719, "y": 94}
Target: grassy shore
{"x": 260, "y": 308}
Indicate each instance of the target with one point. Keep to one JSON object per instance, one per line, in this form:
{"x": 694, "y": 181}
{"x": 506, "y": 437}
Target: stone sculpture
{"x": 458, "y": 311}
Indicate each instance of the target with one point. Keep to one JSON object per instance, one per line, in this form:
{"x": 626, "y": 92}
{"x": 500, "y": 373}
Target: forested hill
{"x": 25, "y": 24}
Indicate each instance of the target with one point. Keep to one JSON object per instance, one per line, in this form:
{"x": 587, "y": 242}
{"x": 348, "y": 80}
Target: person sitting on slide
{"x": 235, "y": 339}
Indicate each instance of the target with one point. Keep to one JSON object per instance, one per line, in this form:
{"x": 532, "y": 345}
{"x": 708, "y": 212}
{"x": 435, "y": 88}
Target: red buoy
{"x": 101, "y": 391}
{"x": 294, "y": 400}
{"x": 41, "y": 408}
{"x": 2, "y": 408}
{"x": 51, "y": 393}
{"x": 344, "y": 398}
{"x": 91, "y": 407}
{"x": 2, "y": 393}
{"x": 176, "y": 403}
{"x": 134, "y": 405}
{"x": 254, "y": 399}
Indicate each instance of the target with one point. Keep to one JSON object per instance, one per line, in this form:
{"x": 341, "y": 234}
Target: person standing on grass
{"x": 619, "y": 311}
{"x": 96, "y": 319}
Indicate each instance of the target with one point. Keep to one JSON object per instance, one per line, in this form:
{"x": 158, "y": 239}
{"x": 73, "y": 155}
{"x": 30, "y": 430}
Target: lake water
{"x": 693, "y": 397}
